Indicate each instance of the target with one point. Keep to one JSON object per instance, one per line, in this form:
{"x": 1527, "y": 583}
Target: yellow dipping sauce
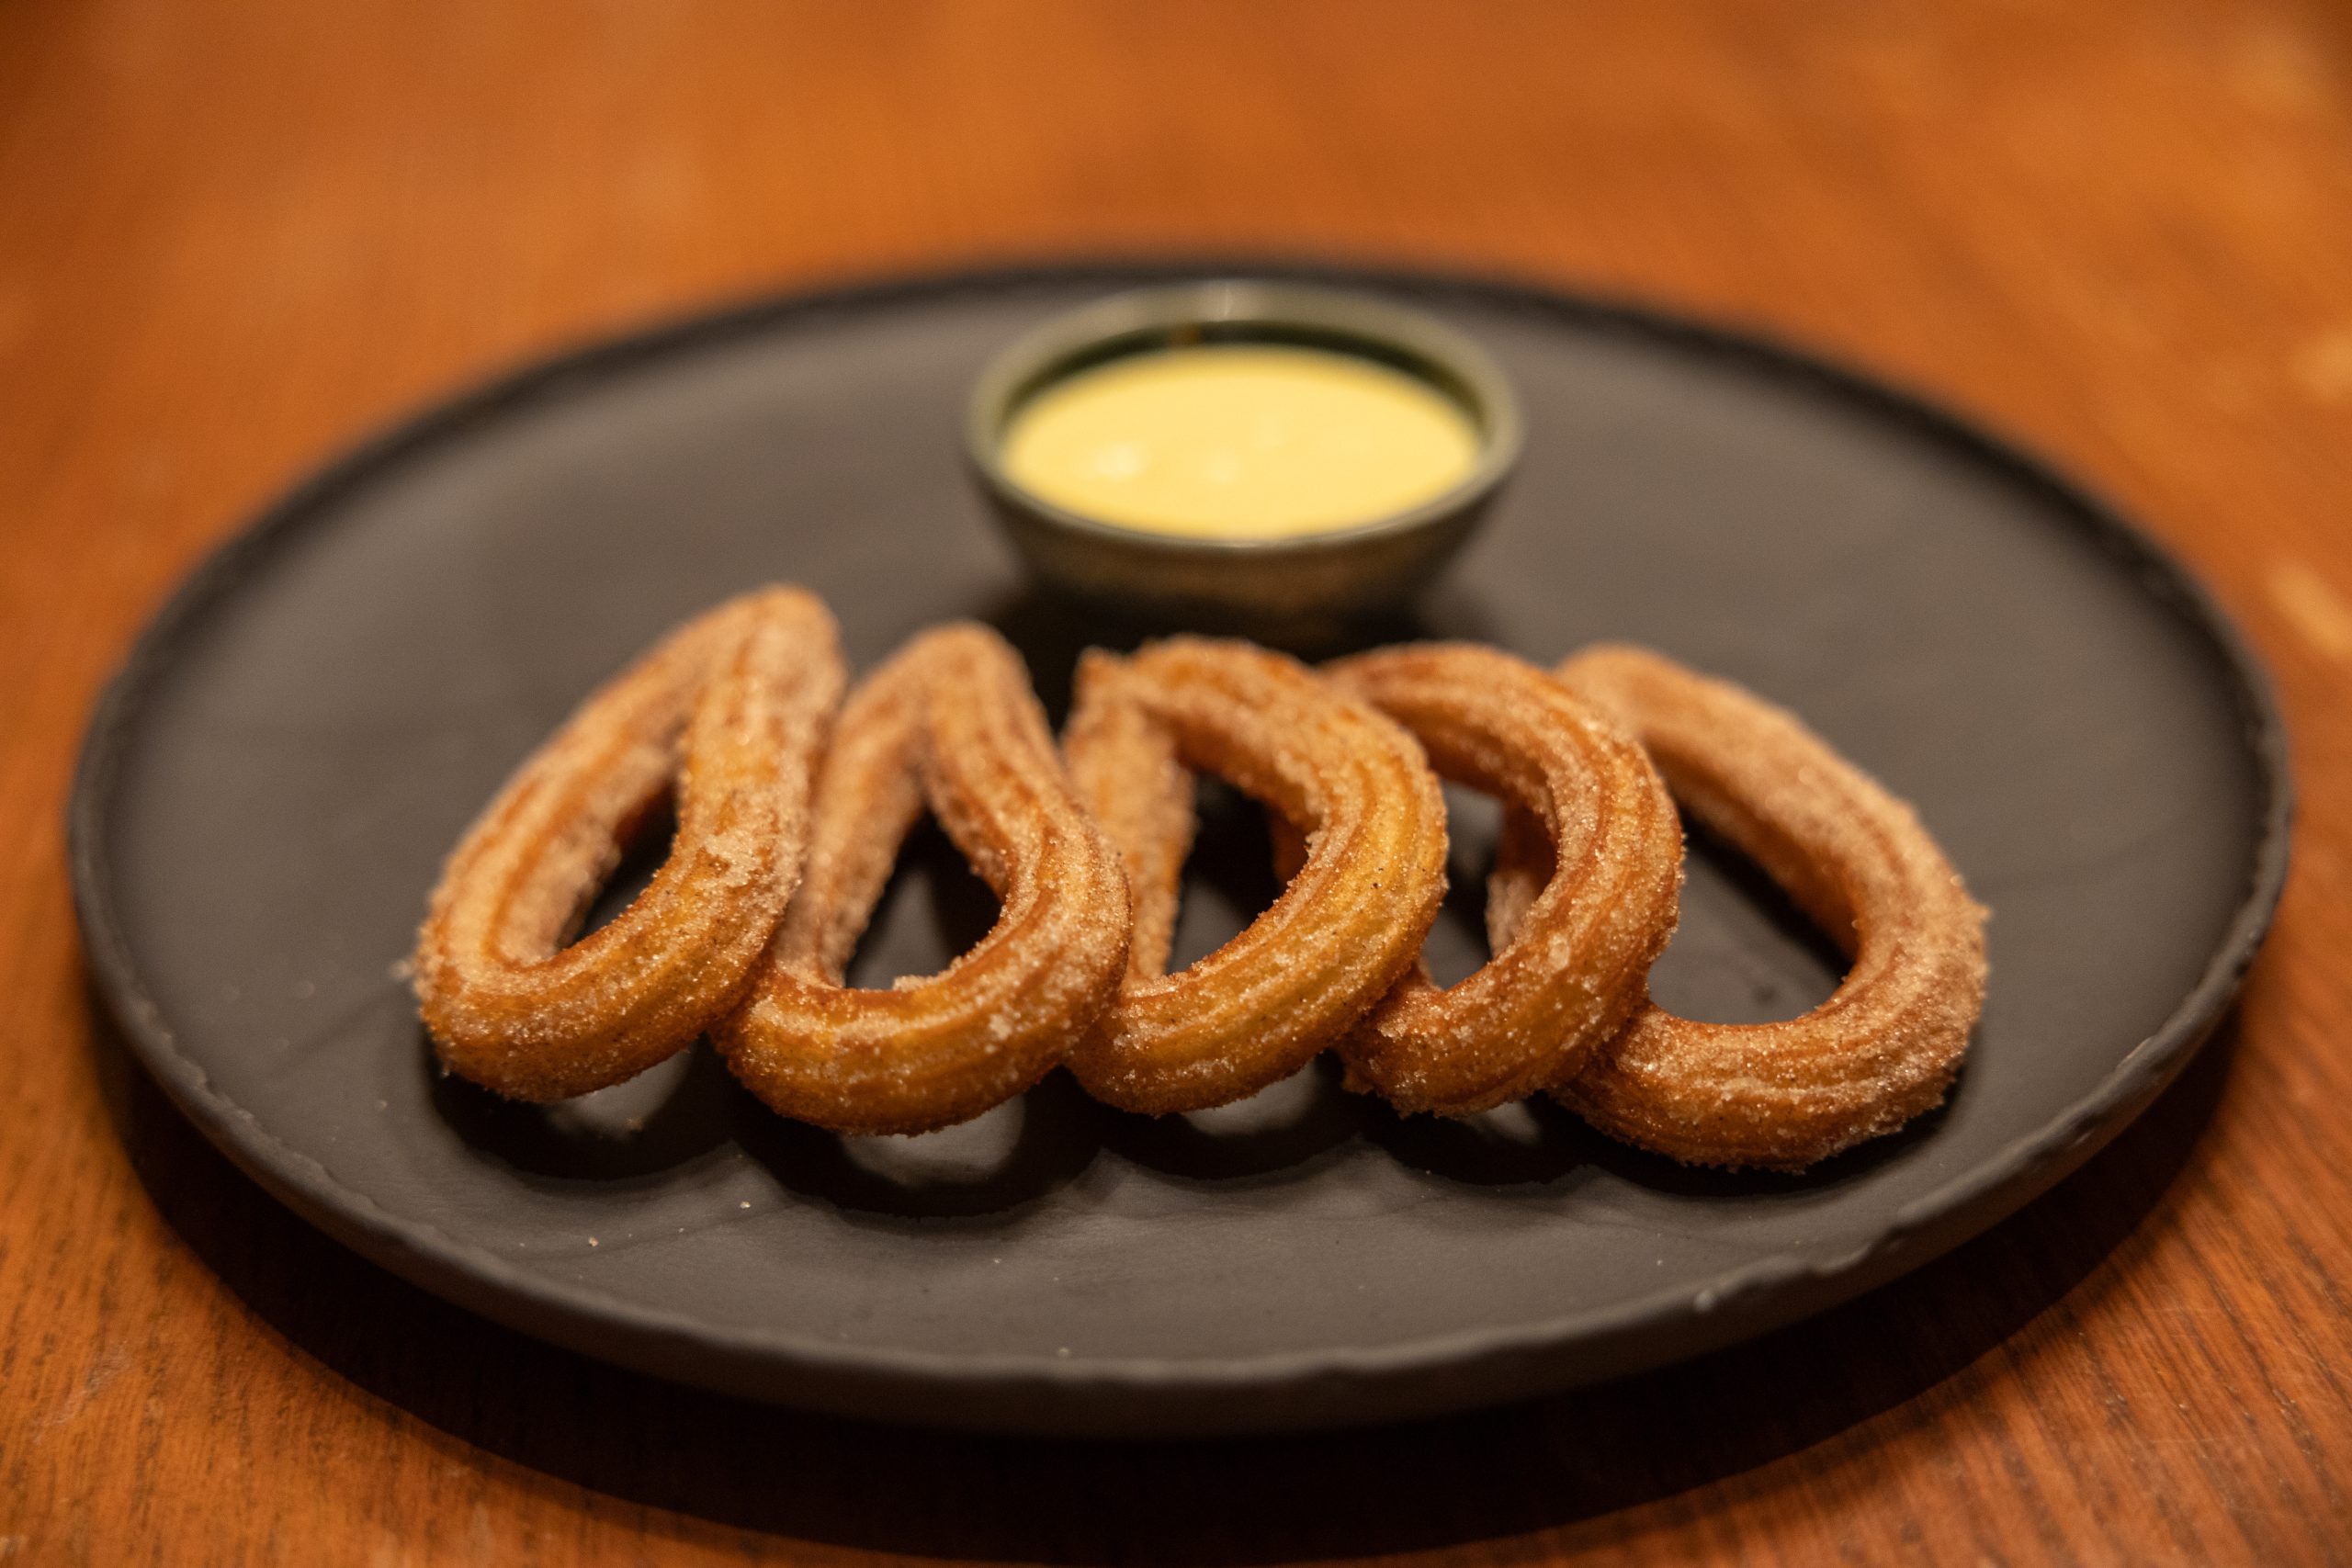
{"x": 1240, "y": 441}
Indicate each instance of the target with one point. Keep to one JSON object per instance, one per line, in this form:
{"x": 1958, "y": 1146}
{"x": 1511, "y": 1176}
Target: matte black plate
{"x": 269, "y": 785}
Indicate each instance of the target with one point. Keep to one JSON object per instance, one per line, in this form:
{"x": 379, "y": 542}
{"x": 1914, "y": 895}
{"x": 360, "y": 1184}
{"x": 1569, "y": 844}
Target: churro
{"x": 951, "y": 722}
{"x": 1353, "y": 783}
{"x": 727, "y": 716}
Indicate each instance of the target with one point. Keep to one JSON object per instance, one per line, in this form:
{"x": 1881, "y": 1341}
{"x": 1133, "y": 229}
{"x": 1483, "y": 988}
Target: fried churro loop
{"x": 1882, "y": 1050}
{"x": 950, "y": 721}
{"x": 1575, "y": 967}
{"x": 731, "y": 710}
{"x": 1349, "y": 923}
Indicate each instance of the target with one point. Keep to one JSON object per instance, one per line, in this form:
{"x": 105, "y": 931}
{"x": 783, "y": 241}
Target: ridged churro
{"x": 733, "y": 718}
{"x": 1879, "y": 1052}
{"x": 950, "y": 721}
{"x": 728, "y": 713}
{"x": 1349, "y": 780}
{"x": 1575, "y": 964}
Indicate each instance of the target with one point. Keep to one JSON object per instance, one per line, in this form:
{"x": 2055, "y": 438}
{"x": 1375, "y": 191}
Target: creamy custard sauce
{"x": 1240, "y": 441}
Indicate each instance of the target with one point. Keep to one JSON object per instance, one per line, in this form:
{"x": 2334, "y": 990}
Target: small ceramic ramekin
{"x": 1362, "y": 567}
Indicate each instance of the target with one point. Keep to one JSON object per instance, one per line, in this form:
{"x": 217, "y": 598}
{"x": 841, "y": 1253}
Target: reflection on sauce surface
{"x": 1240, "y": 441}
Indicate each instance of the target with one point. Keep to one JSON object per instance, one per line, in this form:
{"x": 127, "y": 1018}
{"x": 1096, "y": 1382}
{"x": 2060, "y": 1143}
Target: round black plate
{"x": 269, "y": 785}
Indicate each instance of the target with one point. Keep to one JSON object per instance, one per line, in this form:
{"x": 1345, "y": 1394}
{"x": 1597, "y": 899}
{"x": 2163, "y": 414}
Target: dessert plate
{"x": 270, "y": 784}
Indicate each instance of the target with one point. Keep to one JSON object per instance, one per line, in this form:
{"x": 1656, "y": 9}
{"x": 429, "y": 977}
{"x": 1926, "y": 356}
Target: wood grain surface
{"x": 234, "y": 233}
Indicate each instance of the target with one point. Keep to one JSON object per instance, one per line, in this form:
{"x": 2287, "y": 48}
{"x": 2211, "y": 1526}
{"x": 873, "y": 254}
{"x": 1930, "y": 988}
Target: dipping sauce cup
{"x": 1242, "y": 453}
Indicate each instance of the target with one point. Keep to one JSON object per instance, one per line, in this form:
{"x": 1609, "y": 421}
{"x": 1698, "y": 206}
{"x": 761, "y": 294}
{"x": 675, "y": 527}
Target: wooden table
{"x": 236, "y": 234}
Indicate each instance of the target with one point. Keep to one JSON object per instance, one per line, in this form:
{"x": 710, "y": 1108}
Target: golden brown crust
{"x": 1349, "y": 923}
{"x": 1586, "y": 935}
{"x": 729, "y": 713}
{"x": 950, "y": 721}
{"x": 733, "y": 706}
{"x": 1884, "y": 1047}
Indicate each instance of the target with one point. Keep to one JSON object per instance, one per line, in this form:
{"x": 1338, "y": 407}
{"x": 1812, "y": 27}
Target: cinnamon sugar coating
{"x": 732, "y": 717}
{"x": 728, "y": 713}
{"x": 950, "y": 721}
{"x": 1879, "y": 1052}
{"x": 1355, "y": 786}
{"x": 1581, "y": 948}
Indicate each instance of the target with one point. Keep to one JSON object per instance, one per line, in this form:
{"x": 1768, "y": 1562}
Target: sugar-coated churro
{"x": 728, "y": 713}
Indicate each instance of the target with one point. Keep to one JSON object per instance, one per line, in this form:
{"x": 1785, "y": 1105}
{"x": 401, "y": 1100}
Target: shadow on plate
{"x": 659, "y": 1120}
{"x": 715, "y": 1466}
{"x": 987, "y": 1170}
{"x": 1281, "y": 1134}
{"x": 1532, "y": 1143}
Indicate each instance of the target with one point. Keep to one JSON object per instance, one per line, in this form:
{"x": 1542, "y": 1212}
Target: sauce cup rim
{"x": 1245, "y": 311}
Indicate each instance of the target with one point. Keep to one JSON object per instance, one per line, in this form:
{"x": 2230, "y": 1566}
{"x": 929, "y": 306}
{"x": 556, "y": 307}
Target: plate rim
{"x": 1007, "y": 1390}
